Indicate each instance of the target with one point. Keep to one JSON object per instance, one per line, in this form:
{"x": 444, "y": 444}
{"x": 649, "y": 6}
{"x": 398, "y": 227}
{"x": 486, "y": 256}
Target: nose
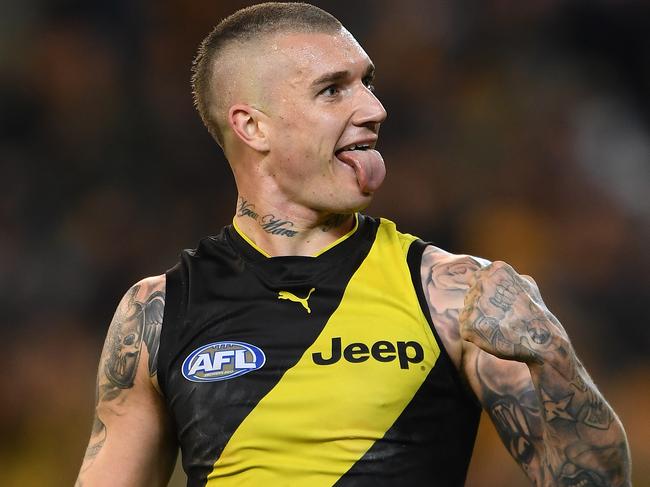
{"x": 370, "y": 112}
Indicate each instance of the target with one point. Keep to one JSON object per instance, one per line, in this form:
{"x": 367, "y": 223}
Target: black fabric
{"x": 431, "y": 443}
{"x": 225, "y": 290}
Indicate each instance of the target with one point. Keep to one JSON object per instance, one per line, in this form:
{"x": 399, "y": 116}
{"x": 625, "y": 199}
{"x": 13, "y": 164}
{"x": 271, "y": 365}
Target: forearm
{"x": 547, "y": 409}
{"x": 582, "y": 437}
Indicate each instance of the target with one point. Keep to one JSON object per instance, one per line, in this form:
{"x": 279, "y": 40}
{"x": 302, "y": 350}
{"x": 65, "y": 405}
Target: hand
{"x": 505, "y": 316}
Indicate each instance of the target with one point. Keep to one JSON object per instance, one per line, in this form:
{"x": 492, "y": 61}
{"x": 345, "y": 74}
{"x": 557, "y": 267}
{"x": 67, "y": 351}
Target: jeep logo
{"x": 405, "y": 352}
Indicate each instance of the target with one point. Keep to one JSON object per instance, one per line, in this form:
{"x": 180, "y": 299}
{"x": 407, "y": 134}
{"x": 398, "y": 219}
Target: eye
{"x": 331, "y": 90}
{"x": 367, "y": 81}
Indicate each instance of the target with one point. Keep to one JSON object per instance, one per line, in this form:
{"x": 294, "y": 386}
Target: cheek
{"x": 305, "y": 141}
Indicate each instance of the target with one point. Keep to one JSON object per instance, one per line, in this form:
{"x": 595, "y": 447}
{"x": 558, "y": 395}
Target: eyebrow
{"x": 338, "y": 76}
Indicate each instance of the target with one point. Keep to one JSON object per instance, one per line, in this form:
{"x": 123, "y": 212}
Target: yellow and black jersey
{"x": 311, "y": 371}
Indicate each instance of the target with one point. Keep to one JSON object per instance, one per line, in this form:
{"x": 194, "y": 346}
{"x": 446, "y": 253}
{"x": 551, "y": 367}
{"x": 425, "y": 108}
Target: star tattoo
{"x": 556, "y": 409}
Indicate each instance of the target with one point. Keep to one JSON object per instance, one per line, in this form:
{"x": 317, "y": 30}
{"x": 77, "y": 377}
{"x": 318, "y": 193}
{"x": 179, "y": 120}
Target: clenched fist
{"x": 505, "y": 316}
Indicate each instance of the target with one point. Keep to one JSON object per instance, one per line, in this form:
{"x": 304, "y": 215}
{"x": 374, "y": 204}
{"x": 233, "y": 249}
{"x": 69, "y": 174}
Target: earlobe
{"x": 246, "y": 122}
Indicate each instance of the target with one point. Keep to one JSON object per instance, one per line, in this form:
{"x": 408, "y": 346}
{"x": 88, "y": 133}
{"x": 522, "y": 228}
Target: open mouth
{"x": 352, "y": 147}
{"x": 366, "y": 162}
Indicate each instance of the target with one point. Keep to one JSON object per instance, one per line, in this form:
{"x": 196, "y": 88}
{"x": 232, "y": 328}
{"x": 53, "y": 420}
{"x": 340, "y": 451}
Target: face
{"x": 323, "y": 121}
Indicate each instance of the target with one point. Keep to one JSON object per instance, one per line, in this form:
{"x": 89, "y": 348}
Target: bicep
{"x": 445, "y": 281}
{"x": 131, "y": 442}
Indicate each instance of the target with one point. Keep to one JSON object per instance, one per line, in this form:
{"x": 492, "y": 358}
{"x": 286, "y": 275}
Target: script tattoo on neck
{"x": 269, "y": 222}
{"x": 244, "y": 208}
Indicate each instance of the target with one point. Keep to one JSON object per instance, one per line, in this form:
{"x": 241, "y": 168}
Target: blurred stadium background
{"x": 516, "y": 131}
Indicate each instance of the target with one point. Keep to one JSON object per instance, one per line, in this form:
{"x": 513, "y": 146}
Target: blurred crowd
{"x": 517, "y": 131}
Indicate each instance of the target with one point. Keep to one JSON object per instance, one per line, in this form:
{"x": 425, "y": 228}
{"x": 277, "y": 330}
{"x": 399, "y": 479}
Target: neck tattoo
{"x": 269, "y": 222}
{"x": 334, "y": 221}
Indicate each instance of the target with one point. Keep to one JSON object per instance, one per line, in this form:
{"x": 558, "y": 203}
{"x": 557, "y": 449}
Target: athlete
{"x": 307, "y": 344}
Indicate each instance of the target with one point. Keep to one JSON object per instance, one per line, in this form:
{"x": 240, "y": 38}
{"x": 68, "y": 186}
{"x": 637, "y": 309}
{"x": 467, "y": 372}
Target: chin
{"x": 359, "y": 203}
{"x": 344, "y": 198}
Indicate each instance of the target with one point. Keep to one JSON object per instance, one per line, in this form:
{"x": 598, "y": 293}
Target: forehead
{"x": 311, "y": 54}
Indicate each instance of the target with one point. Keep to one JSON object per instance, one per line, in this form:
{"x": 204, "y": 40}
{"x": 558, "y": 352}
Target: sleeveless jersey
{"x": 311, "y": 371}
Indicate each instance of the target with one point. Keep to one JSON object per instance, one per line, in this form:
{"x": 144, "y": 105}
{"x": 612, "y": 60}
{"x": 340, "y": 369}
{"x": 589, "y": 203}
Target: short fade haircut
{"x": 249, "y": 24}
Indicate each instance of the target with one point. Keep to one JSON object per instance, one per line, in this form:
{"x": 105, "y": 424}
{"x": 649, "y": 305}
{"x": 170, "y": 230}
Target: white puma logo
{"x": 296, "y": 299}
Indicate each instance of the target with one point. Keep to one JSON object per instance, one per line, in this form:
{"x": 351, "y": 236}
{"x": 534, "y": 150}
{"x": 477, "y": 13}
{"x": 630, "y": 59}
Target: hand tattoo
{"x": 548, "y": 413}
{"x": 504, "y": 317}
{"x": 505, "y": 294}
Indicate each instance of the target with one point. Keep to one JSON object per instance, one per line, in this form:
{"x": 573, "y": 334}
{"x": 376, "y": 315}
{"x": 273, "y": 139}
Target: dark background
{"x": 517, "y": 131}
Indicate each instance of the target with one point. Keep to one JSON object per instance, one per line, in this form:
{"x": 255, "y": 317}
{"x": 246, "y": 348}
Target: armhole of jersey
{"x": 174, "y": 297}
{"x": 414, "y": 260}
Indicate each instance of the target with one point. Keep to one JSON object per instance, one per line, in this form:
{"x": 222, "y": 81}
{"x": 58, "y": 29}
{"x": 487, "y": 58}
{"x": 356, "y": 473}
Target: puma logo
{"x": 296, "y": 299}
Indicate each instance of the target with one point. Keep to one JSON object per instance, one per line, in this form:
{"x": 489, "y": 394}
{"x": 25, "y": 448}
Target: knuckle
{"x": 529, "y": 280}
{"x": 500, "y": 265}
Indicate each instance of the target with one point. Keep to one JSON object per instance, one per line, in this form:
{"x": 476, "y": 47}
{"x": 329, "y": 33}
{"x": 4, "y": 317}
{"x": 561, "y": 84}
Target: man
{"x": 307, "y": 344}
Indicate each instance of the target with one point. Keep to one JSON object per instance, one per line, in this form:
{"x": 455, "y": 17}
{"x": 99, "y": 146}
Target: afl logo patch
{"x": 222, "y": 361}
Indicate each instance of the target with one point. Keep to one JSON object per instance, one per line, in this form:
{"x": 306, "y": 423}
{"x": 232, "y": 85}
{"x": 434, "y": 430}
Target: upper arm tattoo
{"x": 554, "y": 422}
{"x": 136, "y": 322}
{"x": 445, "y": 280}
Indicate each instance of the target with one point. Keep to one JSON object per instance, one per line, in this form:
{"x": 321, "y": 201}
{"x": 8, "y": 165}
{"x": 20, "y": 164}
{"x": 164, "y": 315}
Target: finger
{"x": 528, "y": 278}
{"x": 464, "y": 321}
{"x": 532, "y": 288}
{"x": 474, "y": 292}
{"x": 475, "y": 277}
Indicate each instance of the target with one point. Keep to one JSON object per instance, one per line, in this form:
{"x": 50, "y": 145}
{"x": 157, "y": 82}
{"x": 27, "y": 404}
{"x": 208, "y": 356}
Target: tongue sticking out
{"x": 368, "y": 166}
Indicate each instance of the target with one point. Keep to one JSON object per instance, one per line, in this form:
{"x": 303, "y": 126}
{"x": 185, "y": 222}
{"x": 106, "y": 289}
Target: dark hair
{"x": 248, "y": 24}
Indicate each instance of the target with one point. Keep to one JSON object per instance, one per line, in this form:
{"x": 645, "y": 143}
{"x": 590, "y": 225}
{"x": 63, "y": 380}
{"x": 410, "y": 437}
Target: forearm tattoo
{"x": 578, "y": 442}
{"x": 136, "y": 322}
{"x": 517, "y": 418}
{"x": 551, "y": 417}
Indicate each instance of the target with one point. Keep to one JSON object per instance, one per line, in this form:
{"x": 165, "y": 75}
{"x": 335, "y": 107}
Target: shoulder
{"x": 140, "y": 295}
{"x": 134, "y": 334}
{"x": 446, "y": 278}
{"x": 141, "y": 299}
{"x": 145, "y": 288}
{"x": 459, "y": 265}
{"x": 446, "y": 275}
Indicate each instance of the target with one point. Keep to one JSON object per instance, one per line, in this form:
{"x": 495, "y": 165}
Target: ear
{"x": 249, "y": 125}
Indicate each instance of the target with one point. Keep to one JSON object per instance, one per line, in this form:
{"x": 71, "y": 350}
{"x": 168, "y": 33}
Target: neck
{"x": 291, "y": 230}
